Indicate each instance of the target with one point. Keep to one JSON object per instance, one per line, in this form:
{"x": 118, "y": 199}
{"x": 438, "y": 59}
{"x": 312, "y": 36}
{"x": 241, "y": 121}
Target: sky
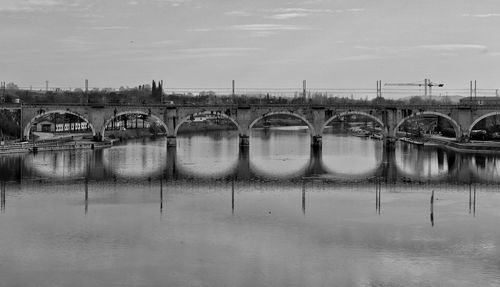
{"x": 258, "y": 43}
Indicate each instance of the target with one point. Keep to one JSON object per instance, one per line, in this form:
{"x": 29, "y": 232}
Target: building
{"x": 45, "y": 126}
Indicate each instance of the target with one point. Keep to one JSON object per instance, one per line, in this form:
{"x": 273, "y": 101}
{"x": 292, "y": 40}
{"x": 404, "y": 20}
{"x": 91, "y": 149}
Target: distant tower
{"x": 86, "y": 85}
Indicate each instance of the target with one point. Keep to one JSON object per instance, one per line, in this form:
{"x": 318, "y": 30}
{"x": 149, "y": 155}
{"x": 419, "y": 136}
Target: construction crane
{"x": 427, "y": 84}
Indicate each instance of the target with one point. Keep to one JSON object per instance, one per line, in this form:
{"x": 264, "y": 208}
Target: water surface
{"x": 208, "y": 213}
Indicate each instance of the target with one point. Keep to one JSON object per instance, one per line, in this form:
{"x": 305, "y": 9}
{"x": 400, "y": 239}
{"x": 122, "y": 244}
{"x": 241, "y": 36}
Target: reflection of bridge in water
{"x": 95, "y": 165}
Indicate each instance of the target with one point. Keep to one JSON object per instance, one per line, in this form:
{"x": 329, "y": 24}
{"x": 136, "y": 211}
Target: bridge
{"x": 390, "y": 117}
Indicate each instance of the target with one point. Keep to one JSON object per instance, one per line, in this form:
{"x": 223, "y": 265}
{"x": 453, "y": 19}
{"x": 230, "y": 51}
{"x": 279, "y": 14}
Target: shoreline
{"x": 54, "y": 146}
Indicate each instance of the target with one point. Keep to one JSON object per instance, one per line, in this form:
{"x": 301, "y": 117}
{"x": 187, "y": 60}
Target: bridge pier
{"x": 171, "y": 171}
{"x": 316, "y": 142}
{"x": 171, "y": 141}
{"x": 244, "y": 140}
{"x": 390, "y": 143}
{"x": 243, "y": 169}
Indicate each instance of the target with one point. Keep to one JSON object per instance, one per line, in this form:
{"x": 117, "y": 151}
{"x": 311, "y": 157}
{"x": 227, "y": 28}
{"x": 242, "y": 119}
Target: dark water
{"x": 208, "y": 213}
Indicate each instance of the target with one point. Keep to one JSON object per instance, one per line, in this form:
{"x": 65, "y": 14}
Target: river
{"x": 209, "y": 213}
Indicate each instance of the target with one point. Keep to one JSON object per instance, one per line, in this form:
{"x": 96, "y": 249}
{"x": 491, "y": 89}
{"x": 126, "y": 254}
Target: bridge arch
{"x": 456, "y": 126}
{"x": 205, "y": 113}
{"x": 311, "y": 127}
{"x": 27, "y": 128}
{"x": 343, "y": 114}
{"x": 475, "y": 122}
{"x": 154, "y": 117}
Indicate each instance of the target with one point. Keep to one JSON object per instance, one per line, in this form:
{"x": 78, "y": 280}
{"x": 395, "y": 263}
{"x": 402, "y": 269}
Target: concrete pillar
{"x": 390, "y": 143}
{"x": 464, "y": 118}
{"x": 244, "y": 140}
{"x": 171, "y": 141}
{"x": 315, "y": 162}
{"x": 243, "y": 171}
{"x": 390, "y": 171}
{"x": 171, "y": 172}
{"x": 390, "y": 119}
{"x": 171, "y": 120}
{"x": 318, "y": 121}
{"x": 243, "y": 118}
{"x": 316, "y": 141}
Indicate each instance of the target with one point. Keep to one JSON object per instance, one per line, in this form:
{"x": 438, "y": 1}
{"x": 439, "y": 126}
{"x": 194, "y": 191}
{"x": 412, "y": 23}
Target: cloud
{"x": 109, "y": 28}
{"x": 448, "y": 49}
{"x": 455, "y": 47}
{"x": 267, "y": 27}
{"x": 238, "y": 13}
{"x": 296, "y": 12}
{"x": 38, "y": 5}
{"x": 300, "y": 10}
{"x": 200, "y": 30}
{"x": 192, "y": 53}
{"x": 482, "y": 15}
{"x": 365, "y": 57}
{"x": 355, "y": 10}
{"x": 174, "y": 3}
{"x": 197, "y": 53}
{"x": 261, "y": 34}
{"x": 288, "y": 16}
{"x": 78, "y": 44}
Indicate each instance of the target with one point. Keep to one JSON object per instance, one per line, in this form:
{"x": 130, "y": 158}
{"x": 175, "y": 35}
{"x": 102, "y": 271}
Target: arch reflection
{"x": 485, "y": 167}
{"x": 280, "y": 152}
{"x": 422, "y": 163}
{"x": 207, "y": 155}
{"x": 58, "y": 165}
{"x": 350, "y": 156}
{"x": 136, "y": 159}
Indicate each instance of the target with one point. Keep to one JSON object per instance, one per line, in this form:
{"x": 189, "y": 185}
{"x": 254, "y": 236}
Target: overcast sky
{"x": 258, "y": 43}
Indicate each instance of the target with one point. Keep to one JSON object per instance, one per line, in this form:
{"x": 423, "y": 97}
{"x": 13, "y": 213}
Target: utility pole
{"x": 475, "y": 90}
{"x": 470, "y": 91}
{"x": 86, "y": 91}
{"x": 379, "y": 89}
{"x": 3, "y": 91}
{"x": 304, "y": 87}
{"x": 425, "y": 87}
{"x": 233, "y": 89}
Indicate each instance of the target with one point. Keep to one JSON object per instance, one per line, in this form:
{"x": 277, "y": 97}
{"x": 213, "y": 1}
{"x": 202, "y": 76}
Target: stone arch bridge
{"x": 462, "y": 118}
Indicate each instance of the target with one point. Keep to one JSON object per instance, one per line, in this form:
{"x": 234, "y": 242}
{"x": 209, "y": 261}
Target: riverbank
{"x": 26, "y": 147}
{"x": 129, "y": 134}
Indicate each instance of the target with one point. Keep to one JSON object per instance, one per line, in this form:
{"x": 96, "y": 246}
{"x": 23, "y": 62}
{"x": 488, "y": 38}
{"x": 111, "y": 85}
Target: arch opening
{"x": 280, "y": 144}
{"x": 282, "y": 120}
{"x": 134, "y": 124}
{"x": 207, "y": 121}
{"x": 486, "y": 127}
{"x": 427, "y": 124}
{"x": 57, "y": 123}
{"x": 357, "y": 123}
